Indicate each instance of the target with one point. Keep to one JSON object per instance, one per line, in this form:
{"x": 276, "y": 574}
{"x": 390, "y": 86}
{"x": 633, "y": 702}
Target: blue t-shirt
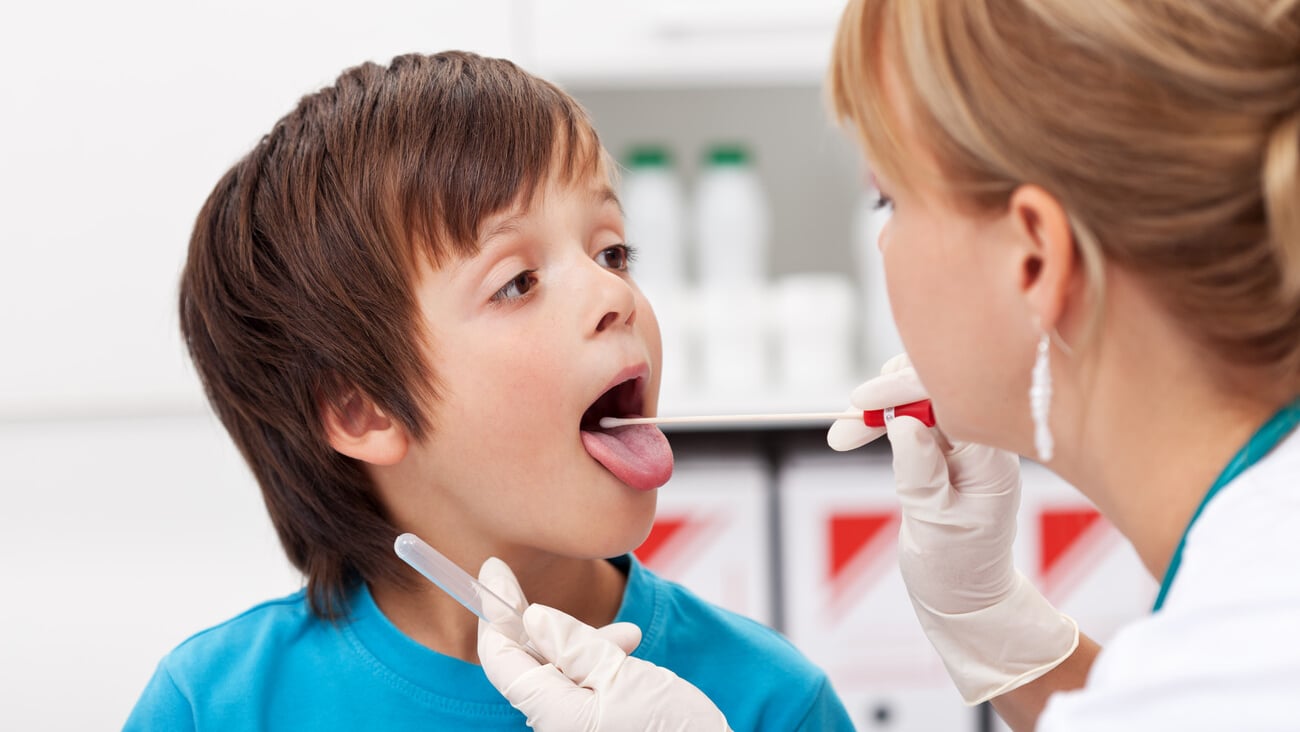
{"x": 278, "y": 667}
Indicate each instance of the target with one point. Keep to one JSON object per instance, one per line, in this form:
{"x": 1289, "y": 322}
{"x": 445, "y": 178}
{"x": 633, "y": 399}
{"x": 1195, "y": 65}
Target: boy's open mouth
{"x": 638, "y": 455}
{"x": 621, "y": 401}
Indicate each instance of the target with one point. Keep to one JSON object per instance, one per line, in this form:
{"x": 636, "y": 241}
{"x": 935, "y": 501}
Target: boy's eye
{"x": 617, "y": 257}
{"x": 882, "y": 201}
{"x": 517, "y": 287}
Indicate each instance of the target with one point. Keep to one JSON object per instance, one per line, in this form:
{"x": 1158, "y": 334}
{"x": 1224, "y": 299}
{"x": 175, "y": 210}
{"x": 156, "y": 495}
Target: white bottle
{"x": 731, "y": 221}
{"x": 731, "y": 227}
{"x": 880, "y": 340}
{"x": 816, "y": 334}
{"x": 654, "y": 210}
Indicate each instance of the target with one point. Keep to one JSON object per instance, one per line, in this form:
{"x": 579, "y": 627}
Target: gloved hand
{"x": 591, "y": 683}
{"x": 990, "y": 625}
{"x": 897, "y": 384}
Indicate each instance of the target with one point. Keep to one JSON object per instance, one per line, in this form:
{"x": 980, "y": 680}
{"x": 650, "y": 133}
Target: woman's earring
{"x": 1040, "y": 400}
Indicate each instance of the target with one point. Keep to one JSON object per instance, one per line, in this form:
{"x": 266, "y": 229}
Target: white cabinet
{"x": 123, "y": 118}
{"x": 595, "y": 42}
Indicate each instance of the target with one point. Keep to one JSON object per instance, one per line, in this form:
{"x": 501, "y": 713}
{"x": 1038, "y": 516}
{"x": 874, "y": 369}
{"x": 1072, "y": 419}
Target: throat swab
{"x": 871, "y": 417}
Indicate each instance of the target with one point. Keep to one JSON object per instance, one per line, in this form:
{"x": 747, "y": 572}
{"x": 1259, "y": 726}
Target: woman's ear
{"x": 355, "y": 426}
{"x": 1049, "y": 262}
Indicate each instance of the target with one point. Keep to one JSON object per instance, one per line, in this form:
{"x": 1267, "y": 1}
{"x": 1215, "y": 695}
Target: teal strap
{"x": 1260, "y": 444}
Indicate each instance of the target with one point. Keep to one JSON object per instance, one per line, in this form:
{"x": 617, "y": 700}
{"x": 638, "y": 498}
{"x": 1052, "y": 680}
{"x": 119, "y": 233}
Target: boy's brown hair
{"x": 298, "y": 291}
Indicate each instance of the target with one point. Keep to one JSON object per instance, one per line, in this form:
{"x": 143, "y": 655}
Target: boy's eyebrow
{"x": 504, "y": 226}
{"x": 602, "y": 195}
{"x": 605, "y": 194}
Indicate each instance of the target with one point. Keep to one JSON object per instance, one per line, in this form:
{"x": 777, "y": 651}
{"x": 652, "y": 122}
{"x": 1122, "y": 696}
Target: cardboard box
{"x": 844, "y": 600}
{"x": 1077, "y": 558}
{"x": 712, "y": 533}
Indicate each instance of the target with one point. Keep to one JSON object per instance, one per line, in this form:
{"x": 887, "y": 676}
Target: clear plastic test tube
{"x": 478, "y": 599}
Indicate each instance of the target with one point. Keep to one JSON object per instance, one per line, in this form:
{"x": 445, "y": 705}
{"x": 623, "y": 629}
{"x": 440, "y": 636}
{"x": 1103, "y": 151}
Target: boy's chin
{"x": 619, "y": 540}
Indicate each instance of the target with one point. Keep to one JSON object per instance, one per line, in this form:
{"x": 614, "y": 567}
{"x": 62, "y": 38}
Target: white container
{"x": 654, "y": 209}
{"x": 880, "y": 340}
{"x": 816, "y": 334}
{"x": 735, "y": 360}
{"x": 731, "y": 223}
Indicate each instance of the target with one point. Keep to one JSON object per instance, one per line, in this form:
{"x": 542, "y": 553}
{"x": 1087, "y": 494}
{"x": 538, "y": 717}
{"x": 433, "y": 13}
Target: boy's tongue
{"x": 638, "y": 455}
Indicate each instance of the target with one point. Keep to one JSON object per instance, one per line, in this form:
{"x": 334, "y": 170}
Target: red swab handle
{"x": 920, "y": 410}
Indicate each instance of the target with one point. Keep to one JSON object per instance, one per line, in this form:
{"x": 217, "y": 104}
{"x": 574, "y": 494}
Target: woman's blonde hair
{"x": 1168, "y": 129}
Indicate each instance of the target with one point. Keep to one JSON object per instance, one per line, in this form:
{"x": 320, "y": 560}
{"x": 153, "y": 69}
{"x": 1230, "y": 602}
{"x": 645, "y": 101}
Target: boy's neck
{"x": 590, "y": 590}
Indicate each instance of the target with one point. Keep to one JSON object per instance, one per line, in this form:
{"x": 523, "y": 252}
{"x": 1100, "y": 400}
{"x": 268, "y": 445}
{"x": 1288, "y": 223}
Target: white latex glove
{"x": 990, "y": 625}
{"x": 897, "y": 384}
{"x": 591, "y": 683}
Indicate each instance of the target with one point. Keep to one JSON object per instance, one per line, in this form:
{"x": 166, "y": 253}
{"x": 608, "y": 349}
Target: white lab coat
{"x": 1224, "y": 652}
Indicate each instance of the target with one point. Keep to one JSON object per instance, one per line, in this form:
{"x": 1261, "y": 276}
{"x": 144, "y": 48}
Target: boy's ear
{"x": 1048, "y": 261}
{"x": 355, "y": 426}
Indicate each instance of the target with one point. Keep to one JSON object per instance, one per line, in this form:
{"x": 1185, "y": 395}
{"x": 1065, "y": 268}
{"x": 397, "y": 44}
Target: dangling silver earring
{"x": 1040, "y": 399}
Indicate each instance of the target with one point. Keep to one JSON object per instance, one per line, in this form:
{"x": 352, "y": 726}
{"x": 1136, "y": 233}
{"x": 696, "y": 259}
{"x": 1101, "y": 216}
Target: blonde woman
{"x": 1094, "y": 262}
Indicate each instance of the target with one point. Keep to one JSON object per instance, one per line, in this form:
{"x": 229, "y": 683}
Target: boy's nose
{"x": 616, "y": 303}
{"x": 611, "y": 318}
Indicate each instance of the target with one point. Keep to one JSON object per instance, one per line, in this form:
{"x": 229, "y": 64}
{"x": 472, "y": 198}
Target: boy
{"x": 410, "y": 304}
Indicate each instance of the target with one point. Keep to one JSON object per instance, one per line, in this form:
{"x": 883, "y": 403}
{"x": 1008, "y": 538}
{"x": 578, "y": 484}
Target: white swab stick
{"x": 921, "y": 410}
{"x": 608, "y": 422}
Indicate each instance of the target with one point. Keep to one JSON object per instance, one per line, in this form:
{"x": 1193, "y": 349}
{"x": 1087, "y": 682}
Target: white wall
{"x": 128, "y": 520}
{"x": 119, "y": 117}
{"x": 119, "y": 538}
